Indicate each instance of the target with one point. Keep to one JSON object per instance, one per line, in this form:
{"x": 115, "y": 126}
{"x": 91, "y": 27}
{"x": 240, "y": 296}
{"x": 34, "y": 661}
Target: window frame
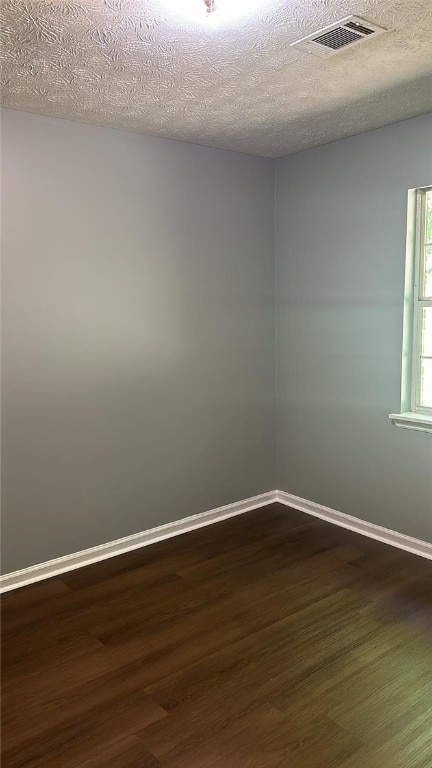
{"x": 413, "y": 415}
{"x": 419, "y": 300}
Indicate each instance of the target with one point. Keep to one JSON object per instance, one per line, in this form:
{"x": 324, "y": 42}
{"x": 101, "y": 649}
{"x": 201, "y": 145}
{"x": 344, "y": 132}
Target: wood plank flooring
{"x": 271, "y": 640}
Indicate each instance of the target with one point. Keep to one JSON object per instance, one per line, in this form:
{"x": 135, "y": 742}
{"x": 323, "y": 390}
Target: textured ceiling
{"x": 140, "y": 65}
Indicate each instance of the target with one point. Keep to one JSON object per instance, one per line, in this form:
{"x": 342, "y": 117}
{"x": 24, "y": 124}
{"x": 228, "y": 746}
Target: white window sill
{"x": 421, "y": 422}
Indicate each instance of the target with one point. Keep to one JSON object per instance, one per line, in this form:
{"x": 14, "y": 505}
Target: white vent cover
{"x": 336, "y": 37}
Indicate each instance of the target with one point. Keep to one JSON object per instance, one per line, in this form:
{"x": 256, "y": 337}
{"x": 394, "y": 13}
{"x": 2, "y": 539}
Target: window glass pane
{"x": 426, "y": 383}
{"x": 428, "y": 272}
{"x": 429, "y": 216}
{"x": 426, "y": 345}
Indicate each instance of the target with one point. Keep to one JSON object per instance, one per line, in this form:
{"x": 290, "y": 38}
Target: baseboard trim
{"x": 118, "y": 547}
{"x": 66, "y": 563}
{"x": 395, "y": 539}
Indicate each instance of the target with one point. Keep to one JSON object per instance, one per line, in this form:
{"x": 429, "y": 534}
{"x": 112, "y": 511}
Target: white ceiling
{"x": 140, "y": 65}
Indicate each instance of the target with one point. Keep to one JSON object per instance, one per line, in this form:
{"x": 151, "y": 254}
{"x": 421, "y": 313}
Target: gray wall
{"x": 138, "y": 331}
{"x": 138, "y": 351}
{"x": 340, "y": 256}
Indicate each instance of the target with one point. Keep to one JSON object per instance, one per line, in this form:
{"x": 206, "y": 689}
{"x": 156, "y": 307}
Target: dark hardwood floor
{"x": 271, "y": 640}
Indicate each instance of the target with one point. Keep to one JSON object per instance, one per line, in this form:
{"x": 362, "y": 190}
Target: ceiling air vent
{"x": 344, "y": 34}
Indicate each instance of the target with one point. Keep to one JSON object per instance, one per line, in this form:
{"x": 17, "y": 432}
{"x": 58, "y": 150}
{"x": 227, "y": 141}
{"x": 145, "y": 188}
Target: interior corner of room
{"x": 140, "y": 314}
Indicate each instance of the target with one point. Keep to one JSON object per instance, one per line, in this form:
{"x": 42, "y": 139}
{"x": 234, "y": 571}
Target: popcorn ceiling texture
{"x": 135, "y": 64}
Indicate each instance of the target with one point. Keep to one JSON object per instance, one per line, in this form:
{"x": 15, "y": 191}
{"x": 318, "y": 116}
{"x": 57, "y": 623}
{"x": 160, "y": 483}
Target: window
{"x": 422, "y": 337}
{"x": 417, "y": 349}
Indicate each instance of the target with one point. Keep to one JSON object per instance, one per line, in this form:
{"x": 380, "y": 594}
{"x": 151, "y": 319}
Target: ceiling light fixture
{"x": 210, "y": 6}
{"x": 214, "y": 11}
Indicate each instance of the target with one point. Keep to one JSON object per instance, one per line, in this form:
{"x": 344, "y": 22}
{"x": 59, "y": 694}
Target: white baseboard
{"x": 395, "y": 539}
{"x": 93, "y": 555}
{"x": 128, "y": 543}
